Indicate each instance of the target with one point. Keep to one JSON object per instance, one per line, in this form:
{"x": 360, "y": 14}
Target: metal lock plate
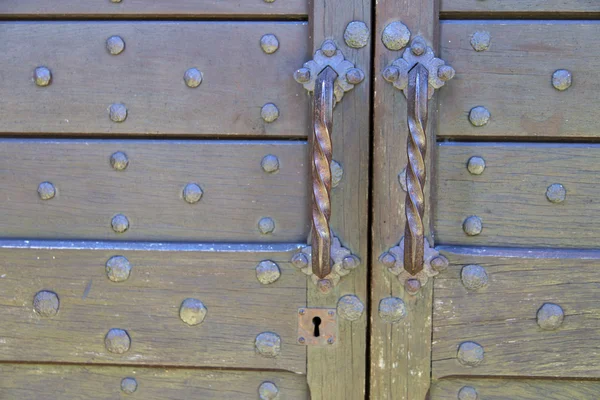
{"x": 317, "y": 326}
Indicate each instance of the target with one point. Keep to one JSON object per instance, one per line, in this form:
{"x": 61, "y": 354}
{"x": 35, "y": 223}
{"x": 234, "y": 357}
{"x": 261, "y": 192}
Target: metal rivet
{"x": 412, "y": 286}
{"x": 446, "y": 72}
{"x": 387, "y": 259}
{"x": 331, "y": 340}
{"x": 467, "y": 393}
{"x": 473, "y": 225}
{"x": 129, "y": 385}
{"x": 356, "y": 34}
{"x": 556, "y": 193}
{"x": 302, "y": 311}
{"x": 391, "y": 74}
{"x": 418, "y": 46}
{"x": 118, "y": 269}
{"x": 355, "y": 76}
{"x": 337, "y": 173}
{"x": 474, "y": 277}
{"x": 350, "y": 262}
{"x": 42, "y": 76}
{"x": 192, "y": 193}
{"x": 192, "y": 77}
{"x": 269, "y": 43}
{"x": 550, "y": 316}
{"x": 561, "y": 79}
{"x": 329, "y": 48}
{"x": 117, "y": 341}
{"x": 470, "y": 354}
{"x": 268, "y": 344}
{"x": 268, "y": 1}
{"x": 269, "y": 112}
{"x": 119, "y": 161}
{"x": 350, "y": 307}
{"x": 115, "y": 45}
{"x": 46, "y": 303}
{"x": 117, "y": 112}
{"x": 267, "y": 391}
{"x": 270, "y": 163}
{"x": 439, "y": 263}
{"x": 267, "y": 272}
{"x": 119, "y": 223}
{"x": 115, "y": 1}
{"x": 392, "y": 309}
{"x": 266, "y": 225}
{"x": 395, "y": 36}
{"x": 302, "y": 75}
{"x": 299, "y": 260}
{"x": 476, "y": 165}
{"x": 301, "y": 340}
{"x": 192, "y": 312}
{"x": 46, "y": 190}
{"x": 324, "y": 285}
{"x": 480, "y": 41}
{"x": 479, "y": 116}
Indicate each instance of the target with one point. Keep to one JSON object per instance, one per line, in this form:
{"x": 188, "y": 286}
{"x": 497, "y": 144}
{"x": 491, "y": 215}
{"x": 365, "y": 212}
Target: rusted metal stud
{"x": 556, "y": 193}
{"x": 479, "y": 116}
{"x": 392, "y": 309}
{"x": 302, "y": 75}
{"x": 412, "y": 286}
{"x": 119, "y": 223}
{"x": 467, "y": 393}
{"x": 550, "y": 316}
{"x": 192, "y": 193}
{"x": 480, "y": 41}
{"x": 269, "y": 43}
{"x": 118, "y": 269}
{"x": 395, "y": 36}
{"x": 324, "y": 285}
{"x": 270, "y": 163}
{"x": 446, "y": 72}
{"x": 562, "y": 79}
{"x": 268, "y": 391}
{"x": 117, "y": 341}
{"x": 192, "y": 78}
{"x": 355, "y": 76}
{"x": 350, "y": 262}
{"x": 46, "y": 303}
{"x": 337, "y": 173}
{"x": 439, "y": 263}
{"x": 46, "y": 190}
{"x": 356, "y": 34}
{"x": 266, "y": 225}
{"x": 387, "y": 259}
{"x": 470, "y": 354}
{"x": 192, "y": 312}
{"x": 418, "y": 46}
{"x": 350, "y": 307}
{"x": 300, "y": 260}
{"x": 269, "y": 112}
{"x": 268, "y": 344}
{"x": 115, "y": 45}
{"x": 473, "y": 226}
{"x": 42, "y": 76}
{"x": 474, "y": 277}
{"x": 329, "y": 48}
{"x": 117, "y": 112}
{"x": 476, "y": 165}
{"x": 391, "y": 74}
{"x": 119, "y": 161}
{"x": 129, "y": 385}
{"x": 267, "y": 272}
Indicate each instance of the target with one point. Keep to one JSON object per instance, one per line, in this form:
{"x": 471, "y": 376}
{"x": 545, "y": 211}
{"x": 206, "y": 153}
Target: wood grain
{"x": 154, "y": 8}
{"x": 522, "y": 389}
{"x": 510, "y": 195}
{"x": 238, "y": 78}
{"x": 513, "y": 79}
{"x": 147, "y": 305}
{"x": 524, "y": 8}
{"x": 237, "y": 192}
{"x": 74, "y": 382}
{"x": 502, "y": 316}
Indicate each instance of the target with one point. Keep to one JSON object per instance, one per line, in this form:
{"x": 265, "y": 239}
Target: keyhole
{"x": 316, "y": 323}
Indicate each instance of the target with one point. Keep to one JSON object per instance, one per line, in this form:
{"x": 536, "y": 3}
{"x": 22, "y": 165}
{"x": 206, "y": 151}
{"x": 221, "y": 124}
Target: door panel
{"x": 519, "y": 8}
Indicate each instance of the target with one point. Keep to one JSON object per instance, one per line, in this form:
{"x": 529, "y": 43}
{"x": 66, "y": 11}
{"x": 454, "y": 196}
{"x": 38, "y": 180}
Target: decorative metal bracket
{"x": 418, "y": 73}
{"x": 329, "y": 75}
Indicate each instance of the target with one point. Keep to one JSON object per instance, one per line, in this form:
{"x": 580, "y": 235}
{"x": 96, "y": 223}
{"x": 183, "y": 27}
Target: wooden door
{"x": 155, "y": 187}
{"x": 509, "y": 201}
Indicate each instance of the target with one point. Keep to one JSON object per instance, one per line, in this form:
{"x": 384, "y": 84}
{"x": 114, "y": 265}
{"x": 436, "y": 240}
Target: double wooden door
{"x": 166, "y": 182}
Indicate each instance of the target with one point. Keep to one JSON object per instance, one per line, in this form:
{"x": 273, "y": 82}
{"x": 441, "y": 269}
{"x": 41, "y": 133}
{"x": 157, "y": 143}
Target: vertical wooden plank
{"x": 400, "y": 352}
{"x": 339, "y": 372}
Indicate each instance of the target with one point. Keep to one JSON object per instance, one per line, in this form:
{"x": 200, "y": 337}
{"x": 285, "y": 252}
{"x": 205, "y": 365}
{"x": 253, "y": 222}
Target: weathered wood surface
{"x": 339, "y": 373}
{"x": 237, "y": 192}
{"x": 510, "y": 195}
{"x": 74, "y": 382}
{"x": 501, "y": 317}
{"x": 400, "y": 352}
{"x": 153, "y": 8}
{"x": 513, "y": 79}
{"x": 147, "y": 77}
{"x": 524, "y": 389}
{"x": 520, "y": 8}
{"x": 147, "y": 304}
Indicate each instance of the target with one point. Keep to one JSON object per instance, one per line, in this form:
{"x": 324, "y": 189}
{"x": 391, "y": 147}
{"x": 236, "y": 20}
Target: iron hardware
{"x": 317, "y": 326}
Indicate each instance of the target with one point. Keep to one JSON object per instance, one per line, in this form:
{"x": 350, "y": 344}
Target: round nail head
{"x": 192, "y": 312}
{"x": 479, "y": 116}
{"x": 266, "y": 226}
{"x": 470, "y": 354}
{"x": 467, "y": 393}
{"x": 267, "y": 391}
{"x": 117, "y": 112}
{"x": 267, "y": 272}
{"x": 192, "y": 77}
{"x": 350, "y": 307}
{"x": 329, "y": 48}
{"x": 269, "y": 43}
{"x": 119, "y": 161}
{"x": 550, "y": 316}
{"x": 42, "y": 76}
{"x": 268, "y": 344}
{"x": 480, "y": 41}
{"x": 356, "y": 34}
{"x": 269, "y": 112}
{"x": 46, "y": 303}
{"x": 556, "y": 193}
{"x": 473, "y": 226}
{"x": 119, "y": 223}
{"x": 395, "y": 36}
{"x": 355, "y": 76}
{"x": 115, "y": 45}
{"x": 562, "y": 79}
{"x": 118, "y": 269}
{"x": 117, "y": 341}
{"x": 476, "y": 165}
{"x": 129, "y": 385}
{"x": 474, "y": 277}
{"x": 192, "y": 193}
{"x": 46, "y": 190}
{"x": 392, "y": 309}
